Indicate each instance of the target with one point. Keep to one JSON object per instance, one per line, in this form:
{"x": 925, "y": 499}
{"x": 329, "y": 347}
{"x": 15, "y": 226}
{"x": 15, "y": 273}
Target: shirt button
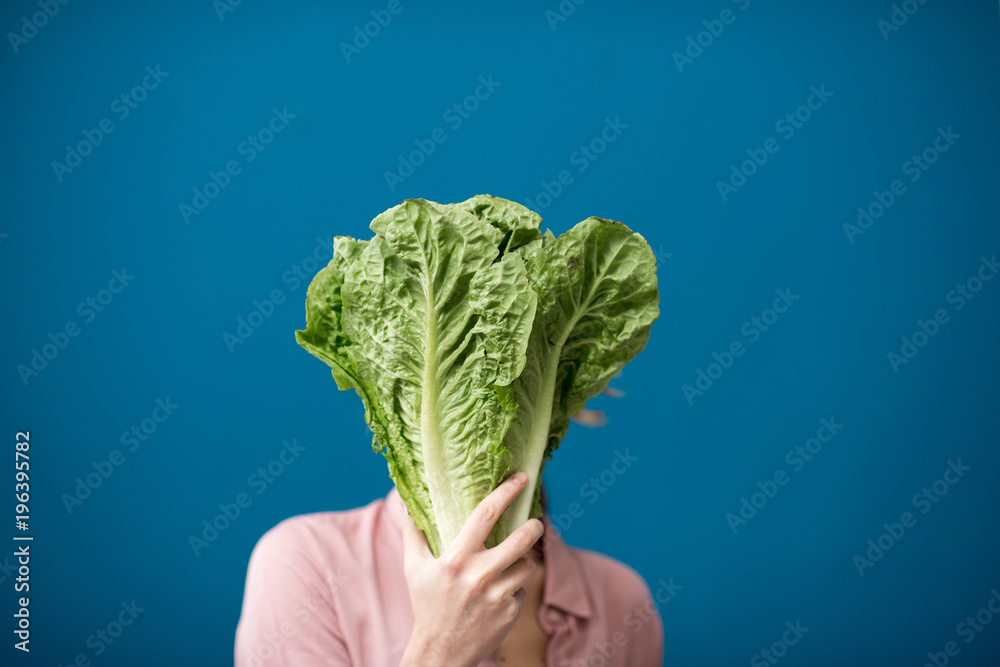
{"x": 554, "y": 617}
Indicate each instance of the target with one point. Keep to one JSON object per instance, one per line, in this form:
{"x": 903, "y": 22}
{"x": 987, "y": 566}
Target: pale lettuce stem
{"x": 448, "y": 516}
{"x": 538, "y": 437}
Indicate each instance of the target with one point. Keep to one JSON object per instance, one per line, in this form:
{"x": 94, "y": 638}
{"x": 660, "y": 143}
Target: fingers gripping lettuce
{"x": 471, "y": 337}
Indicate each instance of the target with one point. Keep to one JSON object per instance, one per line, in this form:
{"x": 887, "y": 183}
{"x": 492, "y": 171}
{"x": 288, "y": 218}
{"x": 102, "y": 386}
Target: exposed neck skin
{"x": 527, "y": 644}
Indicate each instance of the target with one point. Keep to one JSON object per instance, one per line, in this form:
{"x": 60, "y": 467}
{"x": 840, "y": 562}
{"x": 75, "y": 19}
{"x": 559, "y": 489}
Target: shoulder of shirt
{"x": 303, "y": 532}
{"x": 613, "y": 583}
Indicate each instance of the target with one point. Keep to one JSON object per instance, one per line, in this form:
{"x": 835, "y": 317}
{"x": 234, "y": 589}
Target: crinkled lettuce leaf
{"x": 597, "y": 300}
{"x": 520, "y": 225}
{"x": 471, "y": 336}
{"x": 436, "y": 333}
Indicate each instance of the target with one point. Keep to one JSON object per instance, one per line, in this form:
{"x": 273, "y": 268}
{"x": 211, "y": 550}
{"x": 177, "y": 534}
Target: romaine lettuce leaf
{"x": 520, "y": 225}
{"x": 438, "y": 333}
{"x": 471, "y": 337}
{"x": 597, "y": 299}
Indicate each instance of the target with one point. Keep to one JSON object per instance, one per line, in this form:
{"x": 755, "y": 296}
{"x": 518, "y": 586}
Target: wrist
{"x": 418, "y": 653}
{"x": 422, "y": 651}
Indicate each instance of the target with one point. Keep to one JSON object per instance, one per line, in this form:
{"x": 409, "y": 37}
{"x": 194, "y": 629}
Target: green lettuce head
{"x": 471, "y": 337}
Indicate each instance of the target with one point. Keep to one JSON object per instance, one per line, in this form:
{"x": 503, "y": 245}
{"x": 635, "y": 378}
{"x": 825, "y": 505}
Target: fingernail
{"x": 520, "y": 478}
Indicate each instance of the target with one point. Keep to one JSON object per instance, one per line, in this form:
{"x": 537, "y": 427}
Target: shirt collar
{"x": 565, "y": 583}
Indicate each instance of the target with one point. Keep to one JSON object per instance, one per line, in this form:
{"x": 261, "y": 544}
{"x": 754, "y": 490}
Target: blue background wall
{"x": 722, "y": 257}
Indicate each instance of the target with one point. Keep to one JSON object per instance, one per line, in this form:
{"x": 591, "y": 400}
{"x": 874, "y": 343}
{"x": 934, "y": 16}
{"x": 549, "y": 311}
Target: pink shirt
{"x": 328, "y": 589}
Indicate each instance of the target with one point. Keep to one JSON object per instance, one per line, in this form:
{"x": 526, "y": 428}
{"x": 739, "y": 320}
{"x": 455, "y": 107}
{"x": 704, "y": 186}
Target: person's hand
{"x": 466, "y": 602}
